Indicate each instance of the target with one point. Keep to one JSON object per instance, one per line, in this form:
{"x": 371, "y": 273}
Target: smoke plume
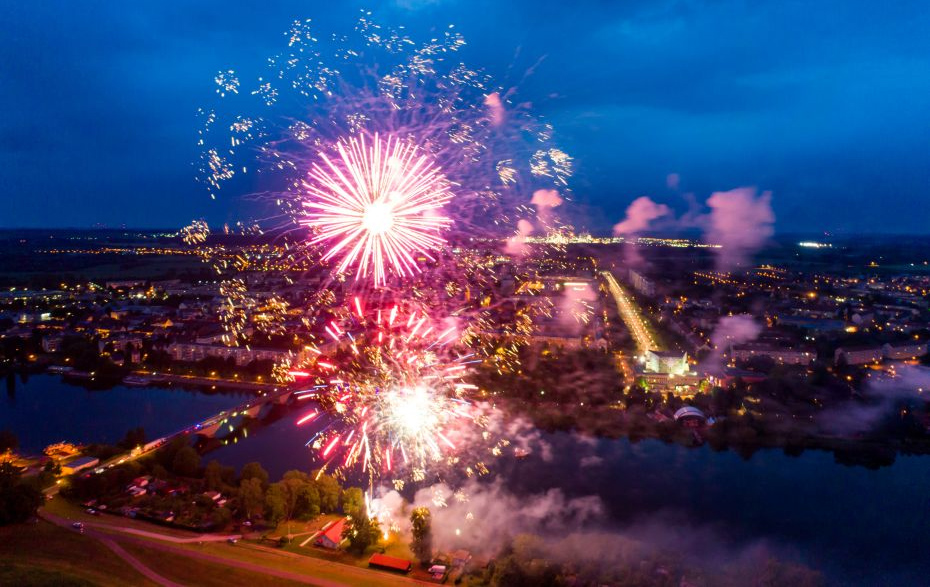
{"x": 496, "y": 112}
{"x": 741, "y": 223}
{"x": 881, "y": 397}
{"x": 639, "y": 215}
{"x": 730, "y": 330}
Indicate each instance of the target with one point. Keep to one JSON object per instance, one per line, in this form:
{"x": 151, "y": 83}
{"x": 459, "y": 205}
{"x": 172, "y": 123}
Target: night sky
{"x": 826, "y": 104}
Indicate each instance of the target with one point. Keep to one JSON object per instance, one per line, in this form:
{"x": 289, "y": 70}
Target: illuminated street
{"x": 631, "y": 314}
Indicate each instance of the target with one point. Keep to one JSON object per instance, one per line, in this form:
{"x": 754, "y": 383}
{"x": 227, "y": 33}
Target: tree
{"x": 421, "y": 522}
{"x": 134, "y": 437}
{"x": 254, "y": 471}
{"x": 18, "y": 501}
{"x": 251, "y": 496}
{"x": 329, "y": 493}
{"x": 9, "y": 475}
{"x": 353, "y": 500}
{"x": 221, "y": 517}
{"x": 362, "y": 532}
{"x": 286, "y": 494}
{"x": 217, "y": 477}
{"x": 308, "y": 502}
{"x": 275, "y": 504}
{"x": 186, "y": 462}
{"x": 8, "y": 441}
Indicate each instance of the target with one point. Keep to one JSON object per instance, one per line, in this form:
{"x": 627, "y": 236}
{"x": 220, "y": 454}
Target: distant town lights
{"x": 814, "y": 245}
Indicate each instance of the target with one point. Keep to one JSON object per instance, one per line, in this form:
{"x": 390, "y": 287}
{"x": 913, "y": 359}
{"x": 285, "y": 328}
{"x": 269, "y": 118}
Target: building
{"x": 667, "y": 371}
{"x": 332, "y": 536}
{"x": 858, "y": 355}
{"x": 193, "y": 352}
{"x": 79, "y": 464}
{"x": 642, "y": 284}
{"x": 783, "y": 355}
{"x": 690, "y": 416}
{"x": 390, "y": 563}
{"x": 51, "y": 344}
{"x": 901, "y": 351}
{"x": 672, "y": 362}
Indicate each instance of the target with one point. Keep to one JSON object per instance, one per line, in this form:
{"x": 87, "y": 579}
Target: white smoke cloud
{"x": 639, "y": 215}
{"x": 516, "y": 245}
{"x": 546, "y": 199}
{"x": 731, "y": 330}
{"x": 483, "y": 517}
{"x": 881, "y": 396}
{"x": 496, "y": 112}
{"x": 575, "y": 306}
{"x": 741, "y": 222}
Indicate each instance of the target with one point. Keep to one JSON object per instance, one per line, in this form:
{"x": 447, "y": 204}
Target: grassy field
{"x": 43, "y": 554}
{"x": 189, "y": 571}
{"x": 77, "y": 556}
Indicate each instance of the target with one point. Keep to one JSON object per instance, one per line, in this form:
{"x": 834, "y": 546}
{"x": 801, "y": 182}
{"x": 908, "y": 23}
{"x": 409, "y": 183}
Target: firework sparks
{"x": 377, "y": 206}
{"x": 397, "y": 394}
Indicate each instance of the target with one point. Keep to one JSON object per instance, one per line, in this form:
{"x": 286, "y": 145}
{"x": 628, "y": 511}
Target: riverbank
{"x": 743, "y": 433}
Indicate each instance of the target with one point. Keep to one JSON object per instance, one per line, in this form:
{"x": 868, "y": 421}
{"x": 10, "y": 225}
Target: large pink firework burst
{"x": 377, "y": 206}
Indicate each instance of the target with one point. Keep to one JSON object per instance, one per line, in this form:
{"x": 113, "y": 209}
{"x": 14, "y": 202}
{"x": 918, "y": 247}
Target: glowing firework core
{"x": 377, "y": 206}
{"x": 378, "y": 218}
{"x": 411, "y": 411}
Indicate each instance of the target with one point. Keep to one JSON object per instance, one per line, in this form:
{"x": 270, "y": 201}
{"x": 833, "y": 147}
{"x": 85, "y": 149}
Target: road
{"x": 107, "y": 541}
{"x": 630, "y": 314}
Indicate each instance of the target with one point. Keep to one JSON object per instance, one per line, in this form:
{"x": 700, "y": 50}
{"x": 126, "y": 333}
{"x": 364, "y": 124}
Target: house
{"x": 390, "y": 563}
{"x": 79, "y": 464}
{"x": 332, "y": 536}
{"x": 51, "y": 344}
{"x": 858, "y": 355}
{"x": 904, "y": 350}
{"x": 784, "y": 355}
{"x": 217, "y": 497}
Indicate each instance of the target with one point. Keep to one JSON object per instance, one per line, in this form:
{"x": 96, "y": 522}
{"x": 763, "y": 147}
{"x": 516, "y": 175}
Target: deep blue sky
{"x": 826, "y": 103}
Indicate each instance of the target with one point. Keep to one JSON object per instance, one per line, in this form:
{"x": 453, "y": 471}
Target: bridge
{"x": 209, "y": 427}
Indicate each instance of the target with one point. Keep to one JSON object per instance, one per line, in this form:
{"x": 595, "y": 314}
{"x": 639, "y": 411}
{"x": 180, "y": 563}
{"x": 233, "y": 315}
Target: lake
{"x": 861, "y": 526}
{"x": 45, "y": 409}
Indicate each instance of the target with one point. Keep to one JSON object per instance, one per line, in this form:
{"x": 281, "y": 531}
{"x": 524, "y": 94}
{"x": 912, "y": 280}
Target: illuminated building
{"x": 667, "y": 371}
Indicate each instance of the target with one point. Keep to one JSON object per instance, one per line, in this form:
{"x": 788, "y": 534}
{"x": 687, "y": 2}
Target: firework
{"x": 195, "y": 233}
{"x": 377, "y": 108}
{"x": 376, "y": 206}
{"x": 397, "y": 390}
{"x": 396, "y": 172}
